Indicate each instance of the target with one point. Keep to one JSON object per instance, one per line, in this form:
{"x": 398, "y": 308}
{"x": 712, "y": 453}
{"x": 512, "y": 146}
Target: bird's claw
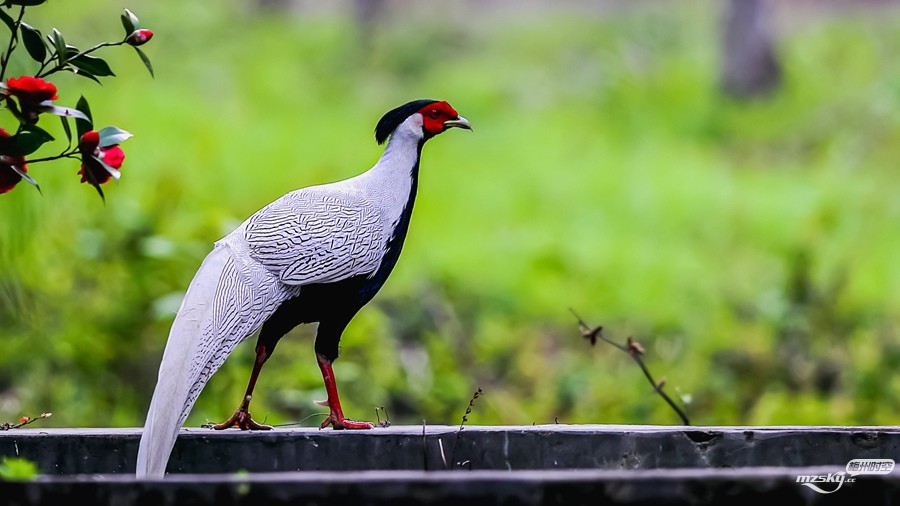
{"x": 242, "y": 420}
{"x": 340, "y": 423}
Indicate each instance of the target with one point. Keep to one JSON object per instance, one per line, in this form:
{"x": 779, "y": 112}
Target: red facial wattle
{"x": 434, "y": 115}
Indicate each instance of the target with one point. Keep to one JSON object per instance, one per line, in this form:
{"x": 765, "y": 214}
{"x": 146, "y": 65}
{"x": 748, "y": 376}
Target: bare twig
{"x": 635, "y": 350}
{"x": 25, "y": 420}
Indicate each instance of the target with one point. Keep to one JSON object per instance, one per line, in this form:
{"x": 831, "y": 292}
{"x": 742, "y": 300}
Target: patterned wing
{"x": 316, "y": 237}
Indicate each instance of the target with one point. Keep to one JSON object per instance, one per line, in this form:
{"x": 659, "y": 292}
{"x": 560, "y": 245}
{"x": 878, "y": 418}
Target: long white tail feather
{"x": 226, "y": 302}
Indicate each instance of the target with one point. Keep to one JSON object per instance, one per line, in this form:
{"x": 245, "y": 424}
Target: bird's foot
{"x": 241, "y": 419}
{"x": 339, "y": 422}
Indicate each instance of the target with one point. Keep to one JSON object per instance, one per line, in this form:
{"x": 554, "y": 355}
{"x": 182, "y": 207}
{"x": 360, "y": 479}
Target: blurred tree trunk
{"x": 368, "y": 13}
{"x": 281, "y": 5}
{"x": 750, "y": 65}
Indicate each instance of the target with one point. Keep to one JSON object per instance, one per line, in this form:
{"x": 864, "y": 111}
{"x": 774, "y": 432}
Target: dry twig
{"x": 25, "y": 420}
{"x": 635, "y": 350}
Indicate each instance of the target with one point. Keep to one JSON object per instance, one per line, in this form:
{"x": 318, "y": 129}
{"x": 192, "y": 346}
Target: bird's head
{"x": 434, "y": 116}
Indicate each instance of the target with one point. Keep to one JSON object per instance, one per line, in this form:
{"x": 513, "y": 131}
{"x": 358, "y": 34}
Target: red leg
{"x": 336, "y": 417}
{"x": 241, "y": 418}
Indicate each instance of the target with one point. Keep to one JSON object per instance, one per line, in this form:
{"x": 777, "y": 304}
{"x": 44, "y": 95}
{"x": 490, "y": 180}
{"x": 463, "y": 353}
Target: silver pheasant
{"x": 317, "y": 254}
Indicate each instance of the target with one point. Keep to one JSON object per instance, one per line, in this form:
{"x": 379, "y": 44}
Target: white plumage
{"x": 318, "y": 235}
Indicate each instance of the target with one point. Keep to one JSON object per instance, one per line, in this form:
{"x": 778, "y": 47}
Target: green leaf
{"x": 29, "y": 139}
{"x": 89, "y": 175}
{"x": 146, "y": 61}
{"x": 83, "y": 73}
{"x": 99, "y": 190}
{"x": 82, "y": 126}
{"x": 8, "y": 21}
{"x": 34, "y": 43}
{"x": 25, "y": 2}
{"x": 67, "y": 128}
{"x": 91, "y": 64}
{"x": 114, "y": 172}
{"x": 61, "y": 111}
{"x": 26, "y": 177}
{"x": 111, "y": 136}
{"x": 59, "y": 43}
{"x": 130, "y": 22}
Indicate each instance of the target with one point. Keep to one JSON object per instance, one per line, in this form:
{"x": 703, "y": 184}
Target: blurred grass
{"x": 750, "y": 246}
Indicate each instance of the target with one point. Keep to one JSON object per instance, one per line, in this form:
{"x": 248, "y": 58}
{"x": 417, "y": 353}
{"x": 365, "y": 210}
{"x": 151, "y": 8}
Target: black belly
{"x": 333, "y": 305}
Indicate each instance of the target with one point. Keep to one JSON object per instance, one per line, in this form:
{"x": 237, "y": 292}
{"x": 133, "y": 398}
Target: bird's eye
{"x": 435, "y": 113}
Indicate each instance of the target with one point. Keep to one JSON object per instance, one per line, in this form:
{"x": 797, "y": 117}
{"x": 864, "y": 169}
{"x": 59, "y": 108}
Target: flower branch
{"x": 29, "y": 98}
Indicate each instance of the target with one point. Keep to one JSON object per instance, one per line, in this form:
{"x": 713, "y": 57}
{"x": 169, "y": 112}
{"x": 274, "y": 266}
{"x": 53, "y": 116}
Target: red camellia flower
{"x": 139, "y": 37}
{"x": 32, "y": 89}
{"x": 9, "y": 178}
{"x": 31, "y": 92}
{"x": 91, "y": 171}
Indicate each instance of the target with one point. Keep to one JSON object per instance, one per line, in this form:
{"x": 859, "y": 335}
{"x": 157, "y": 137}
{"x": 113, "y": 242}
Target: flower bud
{"x": 139, "y": 37}
{"x": 92, "y": 171}
{"x": 89, "y": 141}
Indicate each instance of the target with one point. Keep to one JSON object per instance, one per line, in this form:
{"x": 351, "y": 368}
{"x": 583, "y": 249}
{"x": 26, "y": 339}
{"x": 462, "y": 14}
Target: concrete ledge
{"x": 545, "y": 464}
{"x": 107, "y": 451}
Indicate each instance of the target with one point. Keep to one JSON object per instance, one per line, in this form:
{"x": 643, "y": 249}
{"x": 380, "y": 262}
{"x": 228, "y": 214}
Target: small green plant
{"x": 17, "y": 468}
{"x": 465, "y": 419}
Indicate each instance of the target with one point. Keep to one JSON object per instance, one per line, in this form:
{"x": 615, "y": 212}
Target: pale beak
{"x": 458, "y": 122}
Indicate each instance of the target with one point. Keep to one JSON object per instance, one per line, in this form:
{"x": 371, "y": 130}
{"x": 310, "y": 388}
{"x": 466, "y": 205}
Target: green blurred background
{"x": 750, "y": 244}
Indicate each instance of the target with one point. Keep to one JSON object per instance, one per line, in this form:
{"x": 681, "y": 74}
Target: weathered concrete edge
{"x": 555, "y": 446}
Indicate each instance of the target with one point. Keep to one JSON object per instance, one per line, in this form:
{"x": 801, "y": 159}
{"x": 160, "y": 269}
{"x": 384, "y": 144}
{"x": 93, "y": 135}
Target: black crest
{"x": 390, "y": 121}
